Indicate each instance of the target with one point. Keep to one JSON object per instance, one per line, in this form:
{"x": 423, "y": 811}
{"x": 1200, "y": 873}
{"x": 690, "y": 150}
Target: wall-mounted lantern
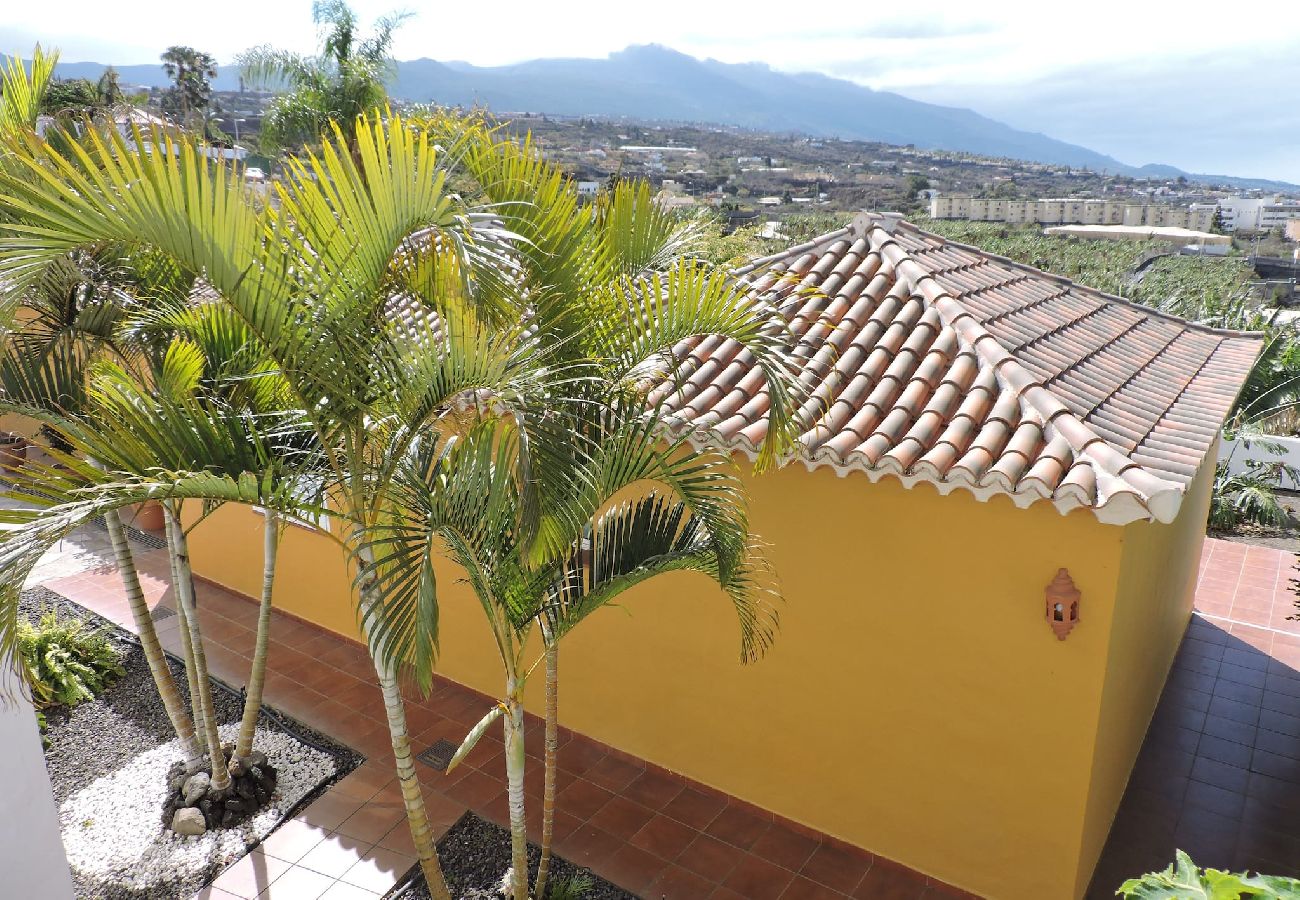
{"x": 1062, "y": 604}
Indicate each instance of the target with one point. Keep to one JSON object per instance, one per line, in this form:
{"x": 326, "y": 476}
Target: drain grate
{"x": 439, "y": 755}
{"x": 161, "y": 612}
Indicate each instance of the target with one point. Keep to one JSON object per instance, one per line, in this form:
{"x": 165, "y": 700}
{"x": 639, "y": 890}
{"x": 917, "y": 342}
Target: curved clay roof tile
{"x": 930, "y": 360}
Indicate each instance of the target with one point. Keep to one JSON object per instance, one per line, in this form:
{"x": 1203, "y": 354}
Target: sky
{"x": 1141, "y": 80}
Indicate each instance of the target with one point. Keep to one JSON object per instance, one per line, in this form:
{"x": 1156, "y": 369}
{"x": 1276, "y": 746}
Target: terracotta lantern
{"x": 1062, "y": 604}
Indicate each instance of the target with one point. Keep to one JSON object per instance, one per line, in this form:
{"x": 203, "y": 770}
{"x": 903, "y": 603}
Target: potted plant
{"x": 13, "y": 450}
{"x": 147, "y": 516}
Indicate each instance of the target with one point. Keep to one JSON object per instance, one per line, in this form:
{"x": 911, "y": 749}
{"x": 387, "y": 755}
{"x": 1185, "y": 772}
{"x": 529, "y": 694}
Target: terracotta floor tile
{"x": 653, "y": 789}
{"x": 372, "y": 821}
{"x": 837, "y": 866}
{"x": 215, "y": 893}
{"x": 696, "y": 808}
{"x": 803, "y": 889}
{"x": 578, "y": 756}
{"x": 664, "y": 837}
{"x": 886, "y": 880}
{"x": 334, "y": 855}
{"x": 785, "y": 847}
{"x": 379, "y": 870}
{"x": 293, "y": 839}
{"x": 330, "y": 810}
{"x": 621, "y": 816}
{"x": 344, "y": 891}
{"x": 582, "y": 799}
{"x": 252, "y": 874}
{"x": 738, "y": 826}
{"x": 587, "y": 845}
{"x": 613, "y": 774}
{"x": 298, "y": 884}
{"x": 709, "y": 857}
{"x": 758, "y": 879}
{"x": 676, "y": 883}
{"x": 631, "y": 868}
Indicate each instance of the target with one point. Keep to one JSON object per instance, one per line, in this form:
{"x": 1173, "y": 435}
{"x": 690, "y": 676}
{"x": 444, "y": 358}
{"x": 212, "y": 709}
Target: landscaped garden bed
{"x": 475, "y": 854}
{"x": 109, "y": 761}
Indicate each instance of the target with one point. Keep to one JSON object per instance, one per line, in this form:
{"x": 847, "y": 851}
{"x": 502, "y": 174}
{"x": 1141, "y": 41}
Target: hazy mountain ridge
{"x": 656, "y": 83}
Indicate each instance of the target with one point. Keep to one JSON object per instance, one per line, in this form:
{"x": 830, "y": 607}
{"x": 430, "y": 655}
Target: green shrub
{"x": 573, "y": 888}
{"x": 1249, "y": 496}
{"x": 1184, "y": 881}
{"x": 66, "y": 661}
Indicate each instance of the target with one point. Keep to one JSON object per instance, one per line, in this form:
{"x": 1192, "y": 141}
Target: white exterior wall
{"x": 1237, "y": 457}
{"x": 32, "y": 862}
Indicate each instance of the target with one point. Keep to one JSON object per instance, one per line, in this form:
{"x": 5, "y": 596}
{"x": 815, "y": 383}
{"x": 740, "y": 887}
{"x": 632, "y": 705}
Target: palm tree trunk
{"x": 153, "y": 652}
{"x": 417, "y": 816}
{"x": 412, "y": 797}
{"x": 187, "y": 646}
{"x": 257, "y": 675}
{"x": 514, "y": 727}
{"x": 548, "y": 768}
{"x": 185, "y": 596}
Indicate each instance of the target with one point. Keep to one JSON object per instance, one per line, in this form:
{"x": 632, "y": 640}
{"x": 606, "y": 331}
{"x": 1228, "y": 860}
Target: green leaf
{"x": 474, "y": 734}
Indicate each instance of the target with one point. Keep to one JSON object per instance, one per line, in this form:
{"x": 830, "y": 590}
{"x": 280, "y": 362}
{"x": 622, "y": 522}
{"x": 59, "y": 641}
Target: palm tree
{"x": 595, "y": 310}
{"x": 191, "y": 72}
{"x": 313, "y": 279}
{"x": 343, "y": 82}
{"x": 70, "y": 317}
{"x": 21, "y": 91}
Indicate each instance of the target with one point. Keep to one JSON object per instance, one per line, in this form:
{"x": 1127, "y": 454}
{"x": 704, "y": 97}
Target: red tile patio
{"x": 1219, "y": 774}
{"x": 648, "y": 830}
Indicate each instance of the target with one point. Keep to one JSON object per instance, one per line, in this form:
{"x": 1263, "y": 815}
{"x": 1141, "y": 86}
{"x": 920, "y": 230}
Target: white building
{"x": 1257, "y": 213}
{"x": 1072, "y": 211}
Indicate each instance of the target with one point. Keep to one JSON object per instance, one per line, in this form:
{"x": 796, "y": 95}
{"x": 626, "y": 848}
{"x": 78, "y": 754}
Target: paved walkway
{"x": 1219, "y": 773}
{"x": 646, "y": 829}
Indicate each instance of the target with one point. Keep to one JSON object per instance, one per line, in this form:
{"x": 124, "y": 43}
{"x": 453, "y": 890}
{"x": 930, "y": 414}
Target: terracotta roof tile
{"x": 932, "y": 361}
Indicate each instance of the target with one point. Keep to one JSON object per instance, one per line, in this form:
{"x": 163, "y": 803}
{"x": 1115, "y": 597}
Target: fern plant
{"x": 66, "y": 662}
{"x": 1184, "y": 881}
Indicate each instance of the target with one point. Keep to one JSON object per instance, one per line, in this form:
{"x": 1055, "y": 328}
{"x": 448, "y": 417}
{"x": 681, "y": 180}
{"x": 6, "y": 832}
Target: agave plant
{"x": 1184, "y": 881}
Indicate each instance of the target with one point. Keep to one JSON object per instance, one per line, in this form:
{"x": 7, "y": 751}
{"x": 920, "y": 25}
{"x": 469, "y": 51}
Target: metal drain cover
{"x": 439, "y": 755}
{"x": 161, "y": 612}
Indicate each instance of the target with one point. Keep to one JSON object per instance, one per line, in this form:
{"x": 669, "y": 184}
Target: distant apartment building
{"x": 1257, "y": 213}
{"x": 1070, "y": 211}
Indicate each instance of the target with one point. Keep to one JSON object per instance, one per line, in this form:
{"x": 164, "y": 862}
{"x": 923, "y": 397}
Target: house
{"x": 987, "y": 540}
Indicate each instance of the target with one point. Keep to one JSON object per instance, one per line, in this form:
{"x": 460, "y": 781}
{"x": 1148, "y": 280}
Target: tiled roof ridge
{"x": 1160, "y": 496}
{"x": 1051, "y": 276}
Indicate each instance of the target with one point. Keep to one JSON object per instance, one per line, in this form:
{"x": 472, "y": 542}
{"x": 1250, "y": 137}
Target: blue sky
{"x": 1143, "y": 81}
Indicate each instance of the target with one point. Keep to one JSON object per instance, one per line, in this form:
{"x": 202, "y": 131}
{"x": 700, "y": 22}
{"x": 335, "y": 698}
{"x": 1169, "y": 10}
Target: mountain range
{"x": 652, "y": 82}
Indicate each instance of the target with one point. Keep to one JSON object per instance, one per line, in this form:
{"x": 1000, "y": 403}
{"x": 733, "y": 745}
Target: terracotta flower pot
{"x": 13, "y": 451}
{"x": 147, "y": 516}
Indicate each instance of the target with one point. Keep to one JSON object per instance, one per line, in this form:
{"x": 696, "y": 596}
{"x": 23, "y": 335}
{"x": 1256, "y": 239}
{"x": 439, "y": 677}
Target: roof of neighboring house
{"x": 930, "y": 360}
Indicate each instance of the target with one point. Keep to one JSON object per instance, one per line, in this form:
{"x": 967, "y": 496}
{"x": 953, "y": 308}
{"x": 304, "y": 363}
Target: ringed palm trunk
{"x": 153, "y": 652}
{"x": 417, "y": 816}
{"x": 185, "y": 597}
{"x": 548, "y": 768}
{"x": 187, "y": 646}
{"x": 514, "y": 738}
{"x": 257, "y": 675}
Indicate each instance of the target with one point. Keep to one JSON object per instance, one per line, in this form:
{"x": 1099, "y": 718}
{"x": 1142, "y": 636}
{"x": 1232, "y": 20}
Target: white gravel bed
{"x": 112, "y": 827}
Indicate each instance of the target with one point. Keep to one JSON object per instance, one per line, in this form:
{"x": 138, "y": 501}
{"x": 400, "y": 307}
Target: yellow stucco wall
{"x": 916, "y": 702}
{"x": 1152, "y": 608}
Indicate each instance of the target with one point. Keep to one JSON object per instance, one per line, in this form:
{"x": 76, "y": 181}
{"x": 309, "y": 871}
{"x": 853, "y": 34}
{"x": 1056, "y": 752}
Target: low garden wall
{"x": 1241, "y": 453}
